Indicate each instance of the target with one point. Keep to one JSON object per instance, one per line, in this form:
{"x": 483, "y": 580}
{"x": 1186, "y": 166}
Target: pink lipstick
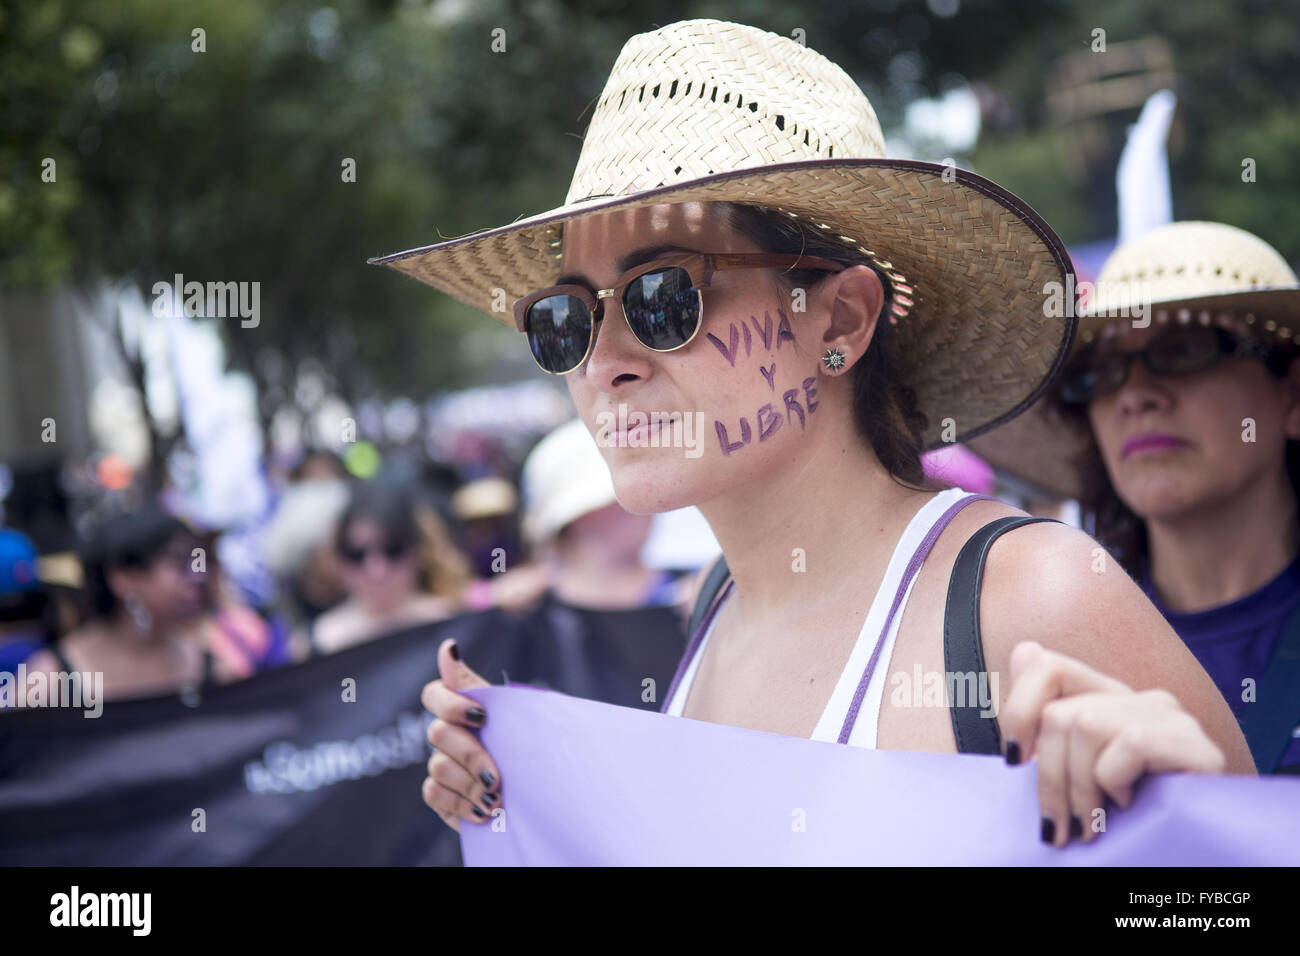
{"x": 1150, "y": 442}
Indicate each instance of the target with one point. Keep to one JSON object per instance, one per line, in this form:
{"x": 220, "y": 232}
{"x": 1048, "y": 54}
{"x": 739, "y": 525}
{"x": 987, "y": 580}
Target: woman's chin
{"x": 1161, "y": 496}
{"x": 649, "y": 490}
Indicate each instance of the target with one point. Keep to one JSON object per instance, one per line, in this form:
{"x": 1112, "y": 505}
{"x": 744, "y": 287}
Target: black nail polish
{"x": 1076, "y": 827}
{"x": 1013, "y": 753}
{"x": 487, "y": 778}
{"x": 489, "y": 798}
{"x": 455, "y": 651}
{"x": 476, "y": 715}
{"x": 1049, "y": 830}
{"x": 478, "y": 813}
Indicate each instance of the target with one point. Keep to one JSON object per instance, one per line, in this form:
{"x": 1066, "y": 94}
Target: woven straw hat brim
{"x": 1041, "y": 449}
{"x": 1278, "y": 305}
{"x": 978, "y": 346}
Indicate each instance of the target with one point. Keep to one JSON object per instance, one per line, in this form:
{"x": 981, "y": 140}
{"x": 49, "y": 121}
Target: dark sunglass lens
{"x": 1108, "y": 373}
{"x": 1184, "y": 352}
{"x": 663, "y": 308}
{"x": 1091, "y": 379}
{"x": 353, "y": 555}
{"x": 394, "y": 551}
{"x": 1077, "y": 385}
{"x": 559, "y": 331}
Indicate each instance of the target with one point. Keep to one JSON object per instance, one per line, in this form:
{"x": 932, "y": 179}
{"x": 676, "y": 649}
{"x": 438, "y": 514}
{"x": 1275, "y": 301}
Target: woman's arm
{"x": 1109, "y": 693}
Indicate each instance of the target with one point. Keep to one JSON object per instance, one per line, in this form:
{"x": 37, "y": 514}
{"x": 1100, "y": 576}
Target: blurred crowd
{"x": 145, "y": 599}
{"x": 1172, "y": 440}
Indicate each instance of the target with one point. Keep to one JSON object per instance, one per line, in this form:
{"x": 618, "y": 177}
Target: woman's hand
{"x": 518, "y": 590}
{"x": 1094, "y": 737}
{"x": 463, "y": 782}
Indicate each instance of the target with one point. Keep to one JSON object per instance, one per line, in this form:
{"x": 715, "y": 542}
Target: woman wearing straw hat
{"x": 734, "y": 246}
{"x": 1182, "y": 443}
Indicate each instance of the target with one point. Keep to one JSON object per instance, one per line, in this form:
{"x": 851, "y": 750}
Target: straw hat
{"x": 484, "y": 498}
{"x": 707, "y": 111}
{"x": 1183, "y": 273}
{"x": 564, "y": 477}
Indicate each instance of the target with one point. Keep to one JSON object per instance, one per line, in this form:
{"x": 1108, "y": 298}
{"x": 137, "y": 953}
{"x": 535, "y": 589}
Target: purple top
{"x": 1237, "y": 640}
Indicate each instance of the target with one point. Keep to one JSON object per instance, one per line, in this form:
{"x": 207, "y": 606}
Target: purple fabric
{"x": 1237, "y": 640}
{"x": 585, "y": 783}
{"x": 957, "y": 465}
{"x": 663, "y": 591}
{"x": 913, "y": 566}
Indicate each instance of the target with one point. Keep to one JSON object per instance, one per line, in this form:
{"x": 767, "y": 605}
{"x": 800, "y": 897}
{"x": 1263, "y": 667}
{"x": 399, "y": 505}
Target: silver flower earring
{"x": 833, "y": 359}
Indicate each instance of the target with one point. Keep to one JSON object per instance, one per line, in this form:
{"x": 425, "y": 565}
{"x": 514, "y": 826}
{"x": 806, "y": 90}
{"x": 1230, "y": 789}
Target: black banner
{"x": 319, "y": 763}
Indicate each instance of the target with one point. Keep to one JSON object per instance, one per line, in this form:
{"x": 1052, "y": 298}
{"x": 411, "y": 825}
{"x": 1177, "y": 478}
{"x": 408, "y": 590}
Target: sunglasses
{"x": 1176, "y": 353}
{"x": 661, "y": 302}
{"x": 357, "y": 555}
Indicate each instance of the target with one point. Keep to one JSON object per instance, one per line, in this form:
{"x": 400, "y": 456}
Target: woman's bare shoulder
{"x": 85, "y": 643}
{"x": 433, "y": 607}
{"x": 342, "y": 617}
{"x": 43, "y": 661}
{"x": 1050, "y": 577}
{"x": 1056, "y": 585}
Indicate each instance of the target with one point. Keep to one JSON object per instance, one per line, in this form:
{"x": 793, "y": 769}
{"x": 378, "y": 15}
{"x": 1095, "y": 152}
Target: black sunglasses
{"x": 357, "y": 555}
{"x": 1176, "y": 353}
{"x": 661, "y": 301}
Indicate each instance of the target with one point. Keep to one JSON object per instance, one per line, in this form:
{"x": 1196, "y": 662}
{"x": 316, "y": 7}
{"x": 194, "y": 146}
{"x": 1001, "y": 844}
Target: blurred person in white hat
{"x": 737, "y": 245}
{"x": 299, "y": 546}
{"x": 1178, "y": 430}
{"x": 591, "y": 546}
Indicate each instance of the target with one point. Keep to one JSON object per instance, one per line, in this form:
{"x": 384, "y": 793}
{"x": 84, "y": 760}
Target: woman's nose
{"x": 617, "y": 357}
{"x": 1142, "y": 390}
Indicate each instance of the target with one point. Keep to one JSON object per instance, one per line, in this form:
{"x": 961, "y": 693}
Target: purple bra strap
{"x": 913, "y": 566}
{"x": 696, "y": 639}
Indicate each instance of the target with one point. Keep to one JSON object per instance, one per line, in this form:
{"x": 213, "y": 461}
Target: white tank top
{"x": 875, "y": 639}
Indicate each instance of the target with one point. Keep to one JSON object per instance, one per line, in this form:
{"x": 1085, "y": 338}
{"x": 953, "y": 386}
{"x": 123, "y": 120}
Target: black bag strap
{"x": 713, "y": 582}
{"x": 1270, "y": 720}
{"x": 963, "y": 650}
{"x": 313, "y": 648}
{"x": 54, "y": 648}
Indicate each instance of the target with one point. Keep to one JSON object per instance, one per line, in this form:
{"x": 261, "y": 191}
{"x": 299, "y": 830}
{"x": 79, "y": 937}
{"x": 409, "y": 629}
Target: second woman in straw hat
{"x": 1177, "y": 425}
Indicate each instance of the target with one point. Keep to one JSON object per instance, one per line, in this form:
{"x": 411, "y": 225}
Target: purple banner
{"x": 591, "y": 784}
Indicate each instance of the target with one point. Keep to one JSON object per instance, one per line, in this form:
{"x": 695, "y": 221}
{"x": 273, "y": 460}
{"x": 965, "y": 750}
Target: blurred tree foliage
{"x": 1237, "y": 72}
{"x": 226, "y": 164}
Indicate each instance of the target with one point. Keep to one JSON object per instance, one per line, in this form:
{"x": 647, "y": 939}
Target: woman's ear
{"x": 1291, "y": 414}
{"x": 121, "y": 582}
{"x": 858, "y": 298}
